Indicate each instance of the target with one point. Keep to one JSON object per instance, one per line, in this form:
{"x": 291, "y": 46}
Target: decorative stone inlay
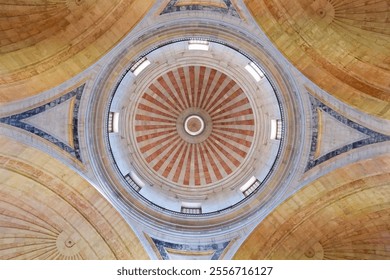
{"x": 372, "y": 136}
{"x": 19, "y": 121}
{"x": 224, "y": 7}
{"x": 216, "y": 249}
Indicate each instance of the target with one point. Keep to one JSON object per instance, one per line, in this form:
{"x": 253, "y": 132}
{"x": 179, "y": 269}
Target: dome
{"x": 182, "y": 133}
{"x": 188, "y": 130}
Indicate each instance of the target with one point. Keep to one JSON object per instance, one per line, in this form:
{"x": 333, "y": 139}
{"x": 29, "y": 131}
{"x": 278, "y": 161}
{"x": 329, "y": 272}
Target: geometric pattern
{"x": 212, "y": 251}
{"x": 371, "y": 137}
{"x": 223, "y": 7}
{"x": 334, "y": 134}
{"x": 219, "y": 150}
{"x": 21, "y": 121}
{"x": 43, "y": 216}
{"x": 342, "y": 215}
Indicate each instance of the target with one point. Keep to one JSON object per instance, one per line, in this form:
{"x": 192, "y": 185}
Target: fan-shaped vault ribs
{"x": 194, "y": 126}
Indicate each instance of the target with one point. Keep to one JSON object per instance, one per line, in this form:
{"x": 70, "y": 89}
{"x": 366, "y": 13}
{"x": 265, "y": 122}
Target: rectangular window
{"x": 276, "y": 129}
{"x": 113, "y": 122}
{"x": 140, "y": 66}
{"x": 187, "y": 210}
{"x": 191, "y": 208}
{"x": 255, "y": 71}
{"x": 250, "y": 186}
{"x": 198, "y": 45}
{"x": 133, "y": 184}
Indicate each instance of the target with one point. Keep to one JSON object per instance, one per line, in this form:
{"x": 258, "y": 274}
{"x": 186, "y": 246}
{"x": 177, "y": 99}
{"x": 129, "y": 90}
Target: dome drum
{"x": 210, "y": 165}
{"x": 211, "y": 168}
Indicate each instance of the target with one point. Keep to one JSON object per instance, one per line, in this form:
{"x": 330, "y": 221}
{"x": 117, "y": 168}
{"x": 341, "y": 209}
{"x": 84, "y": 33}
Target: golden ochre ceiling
{"x": 342, "y": 215}
{"x": 48, "y": 211}
{"x": 45, "y": 43}
{"x": 343, "y": 46}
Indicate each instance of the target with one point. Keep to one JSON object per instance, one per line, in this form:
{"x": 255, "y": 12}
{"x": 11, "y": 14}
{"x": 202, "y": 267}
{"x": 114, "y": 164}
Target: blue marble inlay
{"x": 17, "y": 121}
{"x": 229, "y": 10}
{"x": 372, "y": 136}
{"x": 217, "y": 248}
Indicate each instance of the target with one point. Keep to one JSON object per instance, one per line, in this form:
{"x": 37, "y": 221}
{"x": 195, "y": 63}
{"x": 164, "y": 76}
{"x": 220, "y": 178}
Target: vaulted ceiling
{"x": 342, "y": 46}
{"x": 45, "y": 43}
{"x": 55, "y": 57}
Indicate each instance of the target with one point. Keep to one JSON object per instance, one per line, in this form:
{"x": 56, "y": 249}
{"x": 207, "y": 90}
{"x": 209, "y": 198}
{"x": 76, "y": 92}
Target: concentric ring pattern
{"x": 206, "y": 158}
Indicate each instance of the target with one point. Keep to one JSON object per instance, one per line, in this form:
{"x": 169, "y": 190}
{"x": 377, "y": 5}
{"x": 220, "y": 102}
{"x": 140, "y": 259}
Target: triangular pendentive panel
{"x": 55, "y": 121}
{"x": 334, "y": 134}
{"x": 173, "y": 251}
{"x": 218, "y": 6}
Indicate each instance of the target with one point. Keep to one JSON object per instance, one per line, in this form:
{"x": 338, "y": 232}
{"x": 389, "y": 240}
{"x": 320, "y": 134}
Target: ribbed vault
{"x": 47, "y": 211}
{"x": 44, "y": 43}
{"x": 342, "y": 46}
{"x": 343, "y": 215}
{"x": 176, "y": 154}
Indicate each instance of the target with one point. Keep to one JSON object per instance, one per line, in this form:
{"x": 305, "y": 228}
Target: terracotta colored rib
{"x": 179, "y": 168}
{"x": 164, "y": 158}
{"x": 153, "y": 100}
{"x": 171, "y": 163}
{"x": 173, "y": 106}
{"x": 145, "y": 137}
{"x": 146, "y": 108}
{"x": 237, "y": 122}
{"x": 245, "y": 112}
{"x": 169, "y": 91}
{"x": 219, "y": 98}
{"x": 173, "y": 81}
{"x": 201, "y": 77}
{"x": 234, "y": 130}
{"x": 213, "y": 75}
{"x": 155, "y": 143}
{"x": 220, "y": 81}
{"x": 188, "y": 172}
{"x": 196, "y": 163}
{"x": 230, "y": 146}
{"x": 152, "y": 127}
{"x": 158, "y": 152}
{"x": 214, "y": 166}
{"x": 204, "y": 164}
{"x": 226, "y": 153}
{"x": 184, "y": 86}
{"x": 226, "y": 167}
{"x": 192, "y": 85}
{"x": 235, "y": 139}
{"x": 238, "y": 104}
{"x": 230, "y": 98}
{"x": 139, "y": 117}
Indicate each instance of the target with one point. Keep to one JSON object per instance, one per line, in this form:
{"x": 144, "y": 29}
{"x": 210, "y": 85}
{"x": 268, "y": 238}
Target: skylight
{"x": 250, "y": 186}
{"x": 255, "y": 71}
{"x": 191, "y": 208}
{"x": 198, "y": 45}
{"x": 113, "y": 122}
{"x": 136, "y": 179}
{"x": 140, "y": 66}
{"x": 276, "y": 129}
